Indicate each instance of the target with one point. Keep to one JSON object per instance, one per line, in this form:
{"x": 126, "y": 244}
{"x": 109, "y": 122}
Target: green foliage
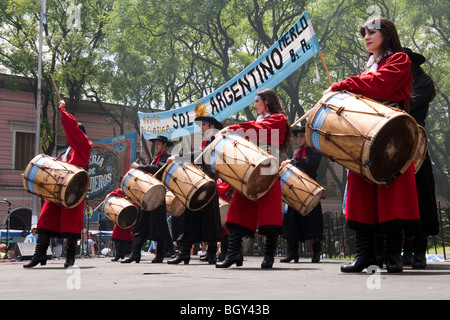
{"x": 162, "y": 54}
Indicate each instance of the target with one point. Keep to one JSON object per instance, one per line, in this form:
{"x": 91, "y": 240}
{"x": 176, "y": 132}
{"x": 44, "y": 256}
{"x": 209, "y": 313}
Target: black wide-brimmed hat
{"x": 298, "y": 129}
{"x": 210, "y": 120}
{"x": 414, "y": 56}
{"x": 163, "y": 139}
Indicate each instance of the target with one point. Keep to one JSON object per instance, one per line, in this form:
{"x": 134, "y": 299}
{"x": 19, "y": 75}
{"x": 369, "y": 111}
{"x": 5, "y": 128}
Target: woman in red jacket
{"x": 56, "y": 220}
{"x": 371, "y": 208}
{"x": 244, "y": 214}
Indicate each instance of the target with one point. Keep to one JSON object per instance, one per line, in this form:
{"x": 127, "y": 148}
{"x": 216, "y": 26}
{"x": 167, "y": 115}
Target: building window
{"x": 24, "y": 149}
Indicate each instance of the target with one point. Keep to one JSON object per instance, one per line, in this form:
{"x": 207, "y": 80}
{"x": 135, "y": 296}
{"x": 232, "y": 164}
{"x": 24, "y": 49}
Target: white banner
{"x": 291, "y": 51}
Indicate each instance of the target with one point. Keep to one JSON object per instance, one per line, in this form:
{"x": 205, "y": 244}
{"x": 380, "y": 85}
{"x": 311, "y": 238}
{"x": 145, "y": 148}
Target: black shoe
{"x": 211, "y": 252}
{"x": 234, "y": 254}
{"x": 160, "y": 252}
{"x": 365, "y": 253}
{"x": 135, "y": 255}
{"x": 69, "y": 262}
{"x": 394, "y": 242}
{"x": 292, "y": 249}
{"x": 40, "y": 252}
{"x": 132, "y": 258}
{"x": 223, "y": 248}
{"x": 117, "y": 257}
{"x": 37, "y": 259}
{"x": 419, "y": 261}
{"x": 316, "y": 247}
{"x": 179, "y": 258}
{"x": 269, "y": 250}
{"x": 394, "y": 263}
{"x": 70, "y": 252}
{"x": 183, "y": 255}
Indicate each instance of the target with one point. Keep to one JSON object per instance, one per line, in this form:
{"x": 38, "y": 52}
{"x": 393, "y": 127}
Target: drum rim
{"x": 364, "y": 170}
{"x": 58, "y": 188}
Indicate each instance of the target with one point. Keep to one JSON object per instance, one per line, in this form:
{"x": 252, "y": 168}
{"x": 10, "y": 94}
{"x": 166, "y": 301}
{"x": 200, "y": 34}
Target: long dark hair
{"x": 274, "y": 106}
{"x": 391, "y": 41}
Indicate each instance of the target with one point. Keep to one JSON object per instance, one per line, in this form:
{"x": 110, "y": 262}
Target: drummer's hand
{"x": 225, "y": 131}
{"x": 285, "y": 163}
{"x": 61, "y": 104}
{"x": 327, "y": 91}
{"x": 170, "y": 159}
{"x": 135, "y": 165}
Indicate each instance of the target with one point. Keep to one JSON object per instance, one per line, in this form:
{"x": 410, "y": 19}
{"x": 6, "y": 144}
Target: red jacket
{"x": 390, "y": 82}
{"x": 56, "y": 219}
{"x": 77, "y": 140}
{"x": 275, "y": 121}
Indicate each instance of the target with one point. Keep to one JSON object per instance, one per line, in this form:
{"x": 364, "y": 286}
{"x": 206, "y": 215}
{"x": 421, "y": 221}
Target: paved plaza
{"x": 102, "y": 279}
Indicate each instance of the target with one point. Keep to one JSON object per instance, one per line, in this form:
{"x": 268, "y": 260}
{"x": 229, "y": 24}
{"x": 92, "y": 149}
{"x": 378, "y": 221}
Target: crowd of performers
{"x": 387, "y": 219}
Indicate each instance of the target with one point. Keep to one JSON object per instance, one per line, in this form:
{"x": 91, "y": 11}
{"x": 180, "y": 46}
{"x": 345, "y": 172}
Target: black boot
{"x": 184, "y": 254}
{"x": 365, "y": 252}
{"x": 211, "y": 252}
{"x": 135, "y": 255}
{"x": 419, "y": 260}
{"x": 40, "y": 252}
{"x": 119, "y": 251}
{"x": 407, "y": 250}
{"x": 160, "y": 252}
{"x": 223, "y": 248}
{"x": 316, "y": 247}
{"x": 380, "y": 249}
{"x": 70, "y": 252}
{"x": 394, "y": 262}
{"x": 292, "y": 252}
{"x": 234, "y": 254}
{"x": 269, "y": 250}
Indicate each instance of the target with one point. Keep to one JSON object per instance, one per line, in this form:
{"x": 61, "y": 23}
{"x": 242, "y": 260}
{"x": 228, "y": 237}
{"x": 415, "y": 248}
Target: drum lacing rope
{"x": 245, "y": 160}
{"x": 190, "y": 182}
{"x": 328, "y": 135}
{"x": 236, "y": 176}
{"x": 58, "y": 183}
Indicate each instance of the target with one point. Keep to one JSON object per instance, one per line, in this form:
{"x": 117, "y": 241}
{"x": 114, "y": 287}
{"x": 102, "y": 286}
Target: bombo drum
{"x": 121, "y": 211}
{"x": 299, "y": 190}
{"x": 189, "y": 184}
{"x": 223, "y": 208}
{"x": 143, "y": 189}
{"x": 240, "y": 163}
{"x": 174, "y": 206}
{"x": 57, "y": 181}
{"x": 371, "y": 139}
{"x": 421, "y": 150}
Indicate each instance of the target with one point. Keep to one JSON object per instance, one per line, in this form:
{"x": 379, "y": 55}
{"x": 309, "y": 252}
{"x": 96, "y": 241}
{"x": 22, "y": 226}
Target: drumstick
{"x": 325, "y": 67}
{"x": 301, "y": 119}
{"x": 56, "y": 88}
{"x": 160, "y": 169}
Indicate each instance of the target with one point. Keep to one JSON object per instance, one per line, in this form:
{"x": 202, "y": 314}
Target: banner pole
{"x": 325, "y": 67}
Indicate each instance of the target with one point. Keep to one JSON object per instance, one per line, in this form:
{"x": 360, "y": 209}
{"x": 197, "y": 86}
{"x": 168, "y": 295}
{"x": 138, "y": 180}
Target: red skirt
{"x": 264, "y": 213}
{"x": 123, "y": 234}
{"x": 371, "y": 204}
{"x": 60, "y": 221}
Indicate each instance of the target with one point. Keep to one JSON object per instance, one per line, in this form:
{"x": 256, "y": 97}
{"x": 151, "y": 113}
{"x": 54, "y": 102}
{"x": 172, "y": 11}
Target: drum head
{"x": 202, "y": 196}
{"x": 392, "y": 148}
{"x": 261, "y": 179}
{"x": 127, "y": 217}
{"x": 154, "y": 197}
{"x": 76, "y": 189}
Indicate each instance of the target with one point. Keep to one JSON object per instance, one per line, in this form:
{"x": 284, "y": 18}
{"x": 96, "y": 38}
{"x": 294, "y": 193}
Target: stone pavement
{"x": 102, "y": 279}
